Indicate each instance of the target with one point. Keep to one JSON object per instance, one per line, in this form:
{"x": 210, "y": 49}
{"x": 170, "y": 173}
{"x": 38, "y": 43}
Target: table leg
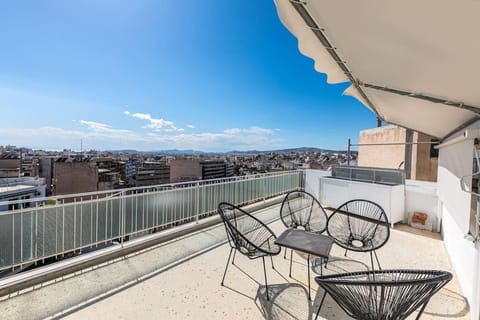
{"x": 308, "y": 266}
{"x": 291, "y": 256}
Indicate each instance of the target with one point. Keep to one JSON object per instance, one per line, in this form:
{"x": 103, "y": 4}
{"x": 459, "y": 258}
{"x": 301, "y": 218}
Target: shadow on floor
{"x": 337, "y": 265}
{"x": 447, "y": 304}
{"x": 287, "y": 301}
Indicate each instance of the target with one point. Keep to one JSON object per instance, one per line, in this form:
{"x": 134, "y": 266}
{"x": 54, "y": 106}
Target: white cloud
{"x": 229, "y": 139}
{"x": 250, "y": 130}
{"x": 154, "y": 123}
{"x": 101, "y": 136}
{"x": 232, "y": 131}
{"x": 258, "y": 130}
{"x": 191, "y": 126}
{"x": 101, "y": 127}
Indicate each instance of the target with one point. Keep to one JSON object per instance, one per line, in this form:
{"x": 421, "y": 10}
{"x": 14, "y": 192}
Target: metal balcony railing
{"x": 55, "y": 226}
{"x": 369, "y": 174}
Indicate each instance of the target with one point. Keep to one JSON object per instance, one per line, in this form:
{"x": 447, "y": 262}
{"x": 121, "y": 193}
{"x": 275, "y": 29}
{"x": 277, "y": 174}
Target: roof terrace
{"x": 180, "y": 279}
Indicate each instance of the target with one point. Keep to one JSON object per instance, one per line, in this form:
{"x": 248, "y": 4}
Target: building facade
{"x": 398, "y": 148}
{"x": 10, "y": 165}
{"x": 152, "y": 173}
{"x": 182, "y": 170}
{"x": 23, "y": 188}
{"x": 74, "y": 176}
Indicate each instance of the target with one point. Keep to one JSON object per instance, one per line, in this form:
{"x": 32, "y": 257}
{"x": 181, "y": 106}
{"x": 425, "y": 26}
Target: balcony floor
{"x": 173, "y": 281}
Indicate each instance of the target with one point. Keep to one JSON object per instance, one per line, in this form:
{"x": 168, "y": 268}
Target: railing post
{"x": 36, "y": 232}
{"x": 63, "y": 228}
{"x": 122, "y": 224}
{"x": 348, "y": 152}
{"x": 75, "y": 223}
{"x": 264, "y": 187}
{"x": 21, "y": 235}
{"x": 197, "y": 192}
{"x": 13, "y": 240}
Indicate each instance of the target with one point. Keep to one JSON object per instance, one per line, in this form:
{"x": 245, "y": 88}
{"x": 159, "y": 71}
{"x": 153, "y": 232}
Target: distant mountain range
{"x": 234, "y": 152}
{"x": 290, "y": 150}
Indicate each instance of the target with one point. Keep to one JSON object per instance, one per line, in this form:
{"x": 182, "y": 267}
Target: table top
{"x": 308, "y": 242}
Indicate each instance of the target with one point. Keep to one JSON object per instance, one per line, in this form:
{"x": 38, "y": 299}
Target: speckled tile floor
{"x": 179, "y": 286}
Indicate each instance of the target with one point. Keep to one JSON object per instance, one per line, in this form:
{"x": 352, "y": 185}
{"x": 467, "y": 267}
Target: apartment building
{"x": 152, "y": 173}
{"x": 74, "y": 175}
{"x": 399, "y": 148}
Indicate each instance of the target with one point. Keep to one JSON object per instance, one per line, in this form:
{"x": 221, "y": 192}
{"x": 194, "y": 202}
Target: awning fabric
{"x": 414, "y": 63}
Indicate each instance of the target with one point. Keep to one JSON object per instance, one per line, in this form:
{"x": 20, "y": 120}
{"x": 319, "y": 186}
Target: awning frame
{"x": 318, "y": 31}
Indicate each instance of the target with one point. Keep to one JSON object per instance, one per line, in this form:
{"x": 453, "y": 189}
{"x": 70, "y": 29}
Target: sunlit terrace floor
{"x": 181, "y": 280}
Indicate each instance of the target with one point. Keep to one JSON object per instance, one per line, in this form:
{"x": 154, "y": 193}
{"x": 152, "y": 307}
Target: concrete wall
{"x": 455, "y": 162}
{"x": 46, "y": 171}
{"x": 182, "y": 170}
{"x": 75, "y": 177}
{"x": 382, "y": 156}
{"x": 312, "y": 181}
{"x": 464, "y": 257}
{"x": 424, "y": 167}
{"x": 9, "y": 168}
{"x": 422, "y": 197}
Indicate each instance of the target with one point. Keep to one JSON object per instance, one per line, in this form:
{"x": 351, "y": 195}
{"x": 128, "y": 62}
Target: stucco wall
{"x": 424, "y": 167}
{"x": 75, "y": 177}
{"x": 185, "y": 170}
{"x": 388, "y": 156}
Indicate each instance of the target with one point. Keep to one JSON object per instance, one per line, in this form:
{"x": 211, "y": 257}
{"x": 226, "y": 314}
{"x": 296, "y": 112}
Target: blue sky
{"x": 150, "y": 75}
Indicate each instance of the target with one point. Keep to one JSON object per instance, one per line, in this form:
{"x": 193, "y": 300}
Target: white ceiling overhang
{"x": 414, "y": 63}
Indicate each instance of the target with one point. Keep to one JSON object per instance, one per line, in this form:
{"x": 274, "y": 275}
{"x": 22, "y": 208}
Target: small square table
{"x": 311, "y": 243}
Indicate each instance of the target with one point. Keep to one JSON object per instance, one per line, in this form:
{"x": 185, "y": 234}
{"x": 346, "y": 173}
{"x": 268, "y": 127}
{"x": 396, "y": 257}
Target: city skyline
{"x": 212, "y": 77}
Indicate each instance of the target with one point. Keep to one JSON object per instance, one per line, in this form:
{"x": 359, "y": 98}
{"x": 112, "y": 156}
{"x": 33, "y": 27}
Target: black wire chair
{"x": 385, "y": 294}
{"x": 301, "y": 209}
{"x": 248, "y": 235}
{"x": 359, "y": 225}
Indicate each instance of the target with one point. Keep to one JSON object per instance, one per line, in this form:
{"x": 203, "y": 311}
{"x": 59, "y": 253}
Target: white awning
{"x": 414, "y": 63}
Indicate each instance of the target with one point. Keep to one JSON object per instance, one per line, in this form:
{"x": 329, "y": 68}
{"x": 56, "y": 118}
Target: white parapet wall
{"x": 312, "y": 181}
{"x": 419, "y": 196}
{"x": 422, "y": 197}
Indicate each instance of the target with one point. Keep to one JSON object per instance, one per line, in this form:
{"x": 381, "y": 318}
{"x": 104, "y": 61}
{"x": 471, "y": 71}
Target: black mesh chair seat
{"x": 248, "y": 235}
{"x": 256, "y": 240}
{"x": 301, "y": 209}
{"x": 385, "y": 294}
{"x": 359, "y": 225}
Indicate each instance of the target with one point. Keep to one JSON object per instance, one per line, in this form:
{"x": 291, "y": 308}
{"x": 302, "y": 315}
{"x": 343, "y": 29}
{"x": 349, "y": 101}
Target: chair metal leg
{"x": 233, "y": 260}
{"x": 291, "y": 257}
{"x": 308, "y": 271}
{"x": 321, "y": 303}
{"x": 265, "y": 273}
{"x": 378, "y": 262}
{"x": 345, "y": 252}
{"x": 271, "y": 260}
{"x": 422, "y": 309}
{"x": 371, "y": 260}
{"x": 226, "y": 267}
{"x": 285, "y": 253}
